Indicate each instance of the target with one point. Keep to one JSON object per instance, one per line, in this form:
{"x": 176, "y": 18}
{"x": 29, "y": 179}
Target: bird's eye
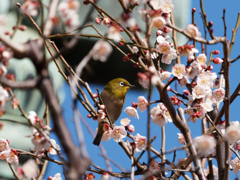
{"x": 121, "y": 84}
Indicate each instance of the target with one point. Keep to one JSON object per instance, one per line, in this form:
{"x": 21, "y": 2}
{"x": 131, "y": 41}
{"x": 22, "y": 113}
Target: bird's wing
{"x": 114, "y": 106}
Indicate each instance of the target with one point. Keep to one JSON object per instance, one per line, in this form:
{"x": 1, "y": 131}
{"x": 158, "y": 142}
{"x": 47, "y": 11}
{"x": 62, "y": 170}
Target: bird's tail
{"x": 97, "y": 139}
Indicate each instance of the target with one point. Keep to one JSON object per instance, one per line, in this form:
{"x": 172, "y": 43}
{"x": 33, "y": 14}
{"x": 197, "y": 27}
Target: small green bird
{"x": 113, "y": 97}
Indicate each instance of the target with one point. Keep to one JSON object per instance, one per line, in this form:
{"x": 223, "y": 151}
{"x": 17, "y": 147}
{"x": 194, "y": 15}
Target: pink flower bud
{"x": 210, "y": 23}
{"x": 6, "y": 33}
{"x": 98, "y": 20}
{"x": 130, "y": 55}
{"x": 89, "y": 115}
{"x": 186, "y": 92}
{"x": 121, "y": 43}
{"x": 95, "y": 95}
{"x": 215, "y": 52}
{"x": 171, "y": 44}
{"x": 232, "y": 30}
{"x": 49, "y": 178}
{"x": 7, "y": 141}
{"x": 136, "y": 64}
{"x": 102, "y": 106}
{"x": 22, "y": 28}
{"x": 120, "y": 29}
{"x": 125, "y": 58}
{"x": 210, "y": 67}
{"x": 131, "y": 128}
{"x": 168, "y": 88}
{"x": 159, "y": 32}
{"x": 217, "y": 61}
{"x": 193, "y": 10}
{"x": 85, "y": 2}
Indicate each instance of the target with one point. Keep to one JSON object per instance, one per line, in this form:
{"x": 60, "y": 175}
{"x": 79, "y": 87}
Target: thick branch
{"x": 28, "y": 84}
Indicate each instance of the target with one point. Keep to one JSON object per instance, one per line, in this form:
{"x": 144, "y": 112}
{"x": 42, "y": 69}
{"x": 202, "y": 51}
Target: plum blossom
{"x": 218, "y": 95}
{"x": 113, "y": 33}
{"x": 30, "y": 7}
{"x": 105, "y": 176}
{"x": 30, "y": 169}
{"x": 142, "y": 103}
{"x": 187, "y": 50}
{"x": 101, "y": 115}
{"x": 198, "y": 92}
{"x": 33, "y": 117}
{"x": 107, "y": 134}
{"x": 118, "y": 133}
{"x": 194, "y": 70}
{"x": 40, "y": 142}
{"x": 164, "y": 47}
{"x": 2, "y": 19}
{"x": 153, "y": 165}
{"x": 143, "y": 80}
{"x": 169, "y": 56}
{"x": 179, "y": 71}
{"x": 232, "y": 133}
{"x": 183, "y": 81}
{"x": 141, "y": 142}
{"x": 235, "y": 163}
{"x": 164, "y": 75}
{"x": 101, "y": 50}
{"x": 202, "y": 59}
{"x": 4, "y": 145}
{"x": 89, "y": 176}
{"x": 204, "y": 144}
{"x": 158, "y": 22}
{"x": 181, "y": 138}
{"x": 206, "y": 79}
{"x": 68, "y": 10}
{"x": 193, "y": 31}
{"x": 54, "y": 146}
{"x": 160, "y": 115}
{"x": 10, "y": 156}
{"x": 55, "y": 177}
{"x": 125, "y": 121}
{"x": 132, "y": 112}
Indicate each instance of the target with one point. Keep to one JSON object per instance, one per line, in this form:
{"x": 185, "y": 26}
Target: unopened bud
{"x": 159, "y": 32}
{"x": 210, "y": 23}
{"x": 8, "y": 141}
{"x": 95, "y": 95}
{"x": 125, "y": 58}
{"x": 89, "y": 115}
{"x": 120, "y": 29}
{"x": 232, "y": 30}
{"x": 210, "y": 67}
{"x": 102, "y": 106}
{"x": 171, "y": 44}
{"x": 193, "y": 10}
{"x": 130, "y": 55}
{"x": 186, "y": 92}
{"x": 6, "y": 33}
{"x": 136, "y": 64}
{"x": 121, "y": 43}
{"x": 85, "y": 2}
{"x": 210, "y": 31}
{"x": 168, "y": 88}
{"x": 131, "y": 128}
{"x": 217, "y": 61}
{"x": 215, "y": 52}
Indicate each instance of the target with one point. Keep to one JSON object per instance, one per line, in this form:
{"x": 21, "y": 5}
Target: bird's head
{"x": 118, "y": 87}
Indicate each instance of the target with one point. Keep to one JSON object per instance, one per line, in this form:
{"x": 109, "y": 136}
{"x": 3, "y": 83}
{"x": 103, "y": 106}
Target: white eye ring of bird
{"x": 121, "y": 84}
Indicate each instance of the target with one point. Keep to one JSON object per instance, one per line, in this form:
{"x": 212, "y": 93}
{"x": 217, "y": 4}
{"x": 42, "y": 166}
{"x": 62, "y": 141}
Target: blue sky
{"x": 214, "y": 10}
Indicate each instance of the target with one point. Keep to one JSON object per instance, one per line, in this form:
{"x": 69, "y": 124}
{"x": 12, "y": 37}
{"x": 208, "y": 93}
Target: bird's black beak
{"x": 131, "y": 86}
